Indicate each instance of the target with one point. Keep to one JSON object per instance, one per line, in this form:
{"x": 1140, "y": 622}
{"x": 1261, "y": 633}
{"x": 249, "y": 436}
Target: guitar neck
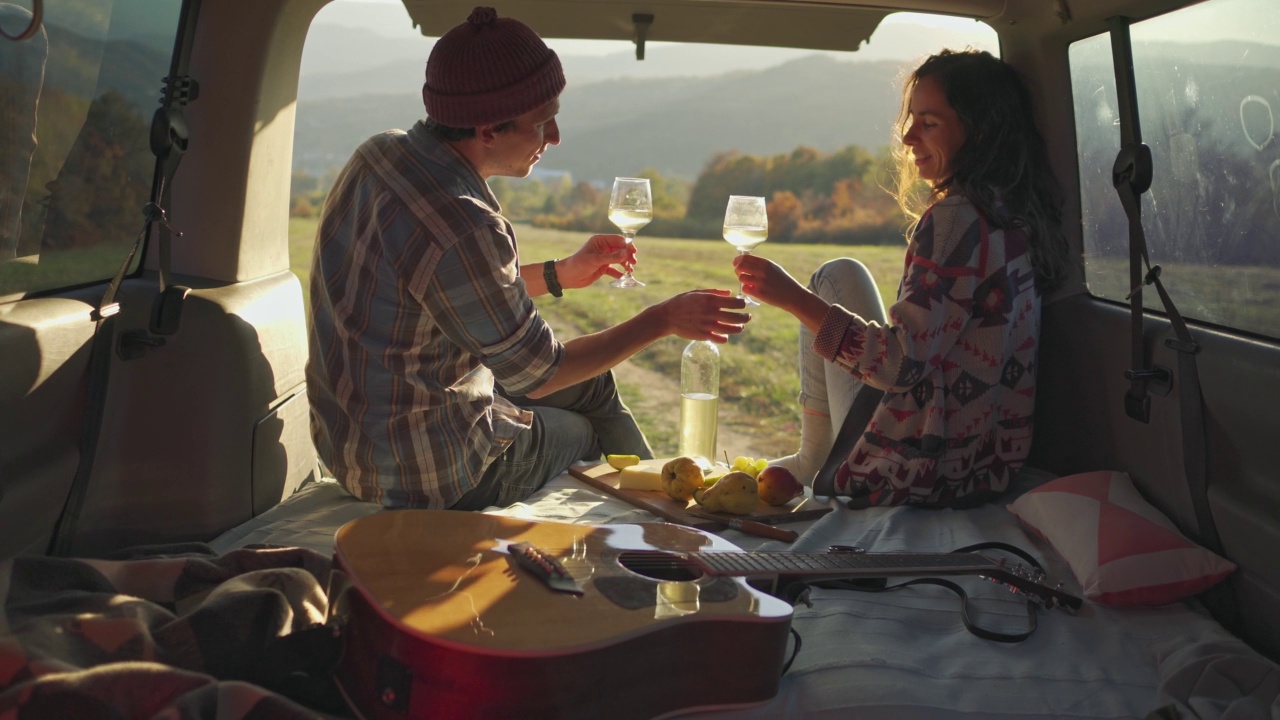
{"x": 842, "y": 564}
{"x": 1027, "y": 581}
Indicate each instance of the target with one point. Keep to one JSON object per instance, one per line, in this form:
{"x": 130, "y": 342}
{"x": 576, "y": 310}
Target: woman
{"x": 956, "y": 356}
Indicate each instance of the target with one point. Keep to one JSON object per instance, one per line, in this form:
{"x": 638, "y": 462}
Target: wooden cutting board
{"x": 605, "y": 478}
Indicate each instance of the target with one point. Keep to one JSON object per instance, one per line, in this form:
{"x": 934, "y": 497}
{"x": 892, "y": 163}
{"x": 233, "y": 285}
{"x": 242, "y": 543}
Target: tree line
{"x": 813, "y": 197}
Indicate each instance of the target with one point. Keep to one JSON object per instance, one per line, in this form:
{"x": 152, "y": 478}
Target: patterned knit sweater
{"x": 956, "y": 361}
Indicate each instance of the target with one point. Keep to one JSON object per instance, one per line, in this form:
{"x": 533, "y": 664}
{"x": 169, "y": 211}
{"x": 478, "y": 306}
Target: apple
{"x": 778, "y": 486}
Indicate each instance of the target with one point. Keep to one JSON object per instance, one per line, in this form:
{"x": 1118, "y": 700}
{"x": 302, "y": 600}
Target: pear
{"x": 734, "y": 493}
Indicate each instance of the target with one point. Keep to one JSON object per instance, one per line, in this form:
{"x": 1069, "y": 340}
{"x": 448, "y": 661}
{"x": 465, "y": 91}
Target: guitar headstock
{"x": 1032, "y": 583}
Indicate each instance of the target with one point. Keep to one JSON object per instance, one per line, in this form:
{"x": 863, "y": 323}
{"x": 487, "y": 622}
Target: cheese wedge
{"x": 717, "y": 471}
{"x": 647, "y": 475}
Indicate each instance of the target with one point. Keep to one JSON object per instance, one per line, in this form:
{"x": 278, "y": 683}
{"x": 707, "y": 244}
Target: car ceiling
{"x": 825, "y": 25}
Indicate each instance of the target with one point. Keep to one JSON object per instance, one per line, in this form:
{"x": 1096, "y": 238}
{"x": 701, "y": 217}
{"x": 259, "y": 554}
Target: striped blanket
{"x": 172, "y": 632}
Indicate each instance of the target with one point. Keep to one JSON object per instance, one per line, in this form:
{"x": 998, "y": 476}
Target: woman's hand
{"x": 596, "y": 258}
{"x": 766, "y": 281}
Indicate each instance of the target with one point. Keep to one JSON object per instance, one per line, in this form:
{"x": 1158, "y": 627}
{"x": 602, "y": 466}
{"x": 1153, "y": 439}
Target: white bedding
{"x": 906, "y": 654}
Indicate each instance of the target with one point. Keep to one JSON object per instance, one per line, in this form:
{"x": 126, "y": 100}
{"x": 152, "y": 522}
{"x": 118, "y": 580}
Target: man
{"x": 433, "y": 380}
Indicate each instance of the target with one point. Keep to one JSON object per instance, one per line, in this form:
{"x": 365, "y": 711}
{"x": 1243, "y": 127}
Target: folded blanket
{"x": 183, "y": 634}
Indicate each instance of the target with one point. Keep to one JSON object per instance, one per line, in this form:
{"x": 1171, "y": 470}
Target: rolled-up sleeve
{"x": 477, "y": 297}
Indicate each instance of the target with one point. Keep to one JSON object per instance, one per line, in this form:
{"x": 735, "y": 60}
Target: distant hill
{"x": 620, "y": 127}
{"x": 363, "y": 64}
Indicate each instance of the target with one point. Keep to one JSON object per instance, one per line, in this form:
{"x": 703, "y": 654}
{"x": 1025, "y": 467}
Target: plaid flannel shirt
{"x": 417, "y": 307}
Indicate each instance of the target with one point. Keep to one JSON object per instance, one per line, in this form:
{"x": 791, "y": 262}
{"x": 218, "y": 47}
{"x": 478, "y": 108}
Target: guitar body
{"x": 439, "y": 622}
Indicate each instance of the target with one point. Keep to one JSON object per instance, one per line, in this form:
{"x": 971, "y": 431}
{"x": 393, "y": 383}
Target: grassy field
{"x": 1232, "y": 296}
{"x": 758, "y": 378}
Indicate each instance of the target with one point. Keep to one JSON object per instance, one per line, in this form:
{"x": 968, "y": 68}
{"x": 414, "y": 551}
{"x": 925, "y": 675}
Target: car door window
{"x": 76, "y": 100}
{"x": 1208, "y": 87}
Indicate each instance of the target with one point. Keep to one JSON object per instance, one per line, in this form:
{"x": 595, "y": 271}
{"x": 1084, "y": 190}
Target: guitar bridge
{"x": 544, "y": 567}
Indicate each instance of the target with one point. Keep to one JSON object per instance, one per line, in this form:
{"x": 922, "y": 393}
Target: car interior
{"x": 154, "y": 339}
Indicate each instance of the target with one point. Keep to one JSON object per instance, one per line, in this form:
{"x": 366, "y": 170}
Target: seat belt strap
{"x": 169, "y": 139}
{"x": 1131, "y": 176}
{"x": 178, "y": 92}
{"x": 99, "y": 370}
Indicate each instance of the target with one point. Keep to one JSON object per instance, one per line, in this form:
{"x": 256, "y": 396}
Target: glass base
{"x": 750, "y": 301}
{"x": 626, "y": 281}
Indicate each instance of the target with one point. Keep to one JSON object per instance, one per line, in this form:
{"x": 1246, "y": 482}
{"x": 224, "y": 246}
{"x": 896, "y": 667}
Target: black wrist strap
{"x": 553, "y": 282}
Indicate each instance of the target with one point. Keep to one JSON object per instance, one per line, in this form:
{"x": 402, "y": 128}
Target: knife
{"x": 750, "y": 527}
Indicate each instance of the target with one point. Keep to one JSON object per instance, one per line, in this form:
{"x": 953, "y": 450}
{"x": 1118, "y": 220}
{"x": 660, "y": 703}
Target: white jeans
{"x": 825, "y": 388}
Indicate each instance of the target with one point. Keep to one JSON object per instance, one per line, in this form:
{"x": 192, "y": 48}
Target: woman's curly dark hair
{"x": 1003, "y": 155}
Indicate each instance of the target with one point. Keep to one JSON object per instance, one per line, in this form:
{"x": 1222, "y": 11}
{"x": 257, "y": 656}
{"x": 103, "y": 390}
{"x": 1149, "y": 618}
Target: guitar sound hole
{"x": 658, "y": 566}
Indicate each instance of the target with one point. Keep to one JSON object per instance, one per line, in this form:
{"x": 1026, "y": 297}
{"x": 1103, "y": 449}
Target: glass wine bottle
{"x": 699, "y": 400}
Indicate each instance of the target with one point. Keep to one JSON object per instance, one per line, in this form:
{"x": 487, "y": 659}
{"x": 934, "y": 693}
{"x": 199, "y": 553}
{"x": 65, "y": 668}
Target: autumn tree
{"x": 785, "y": 215}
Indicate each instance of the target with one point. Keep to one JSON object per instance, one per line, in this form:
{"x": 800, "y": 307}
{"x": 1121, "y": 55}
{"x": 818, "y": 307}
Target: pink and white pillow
{"x": 1121, "y": 549}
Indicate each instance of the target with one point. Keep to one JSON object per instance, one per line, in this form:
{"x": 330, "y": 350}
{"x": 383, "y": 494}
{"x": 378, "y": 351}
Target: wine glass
{"x": 745, "y": 226}
{"x": 630, "y": 208}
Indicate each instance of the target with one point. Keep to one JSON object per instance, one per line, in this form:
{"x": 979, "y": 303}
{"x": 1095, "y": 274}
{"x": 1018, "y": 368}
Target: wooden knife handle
{"x": 759, "y": 529}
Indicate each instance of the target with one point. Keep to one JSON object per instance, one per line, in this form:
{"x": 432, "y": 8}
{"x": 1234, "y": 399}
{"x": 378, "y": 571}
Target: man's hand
{"x": 596, "y": 258}
{"x": 693, "y": 315}
{"x": 704, "y": 315}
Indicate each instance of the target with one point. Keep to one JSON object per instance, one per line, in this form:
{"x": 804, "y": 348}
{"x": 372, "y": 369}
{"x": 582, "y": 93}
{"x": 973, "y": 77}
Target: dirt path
{"x": 654, "y": 398}
{"x": 659, "y": 400}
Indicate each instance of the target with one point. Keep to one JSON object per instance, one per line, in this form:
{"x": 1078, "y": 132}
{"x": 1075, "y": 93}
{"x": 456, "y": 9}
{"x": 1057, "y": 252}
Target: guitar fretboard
{"x": 842, "y": 564}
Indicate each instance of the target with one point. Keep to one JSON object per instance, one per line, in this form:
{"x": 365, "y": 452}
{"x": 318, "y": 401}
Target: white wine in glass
{"x": 746, "y": 225}
{"x": 630, "y": 208}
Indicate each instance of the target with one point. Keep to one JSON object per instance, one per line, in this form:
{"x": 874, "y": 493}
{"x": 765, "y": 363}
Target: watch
{"x": 553, "y": 283}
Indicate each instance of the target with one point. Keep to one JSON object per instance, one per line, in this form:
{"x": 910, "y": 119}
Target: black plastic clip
{"x": 1155, "y": 374}
{"x": 1137, "y": 405}
{"x": 1133, "y": 168}
{"x": 135, "y": 343}
{"x": 169, "y": 124}
{"x": 166, "y": 309}
{"x": 153, "y": 213}
{"x": 1152, "y": 275}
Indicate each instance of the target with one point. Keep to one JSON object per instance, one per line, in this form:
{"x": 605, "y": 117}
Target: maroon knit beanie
{"x": 489, "y": 70}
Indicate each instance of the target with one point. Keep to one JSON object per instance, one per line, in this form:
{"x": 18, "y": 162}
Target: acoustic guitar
{"x": 451, "y": 614}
